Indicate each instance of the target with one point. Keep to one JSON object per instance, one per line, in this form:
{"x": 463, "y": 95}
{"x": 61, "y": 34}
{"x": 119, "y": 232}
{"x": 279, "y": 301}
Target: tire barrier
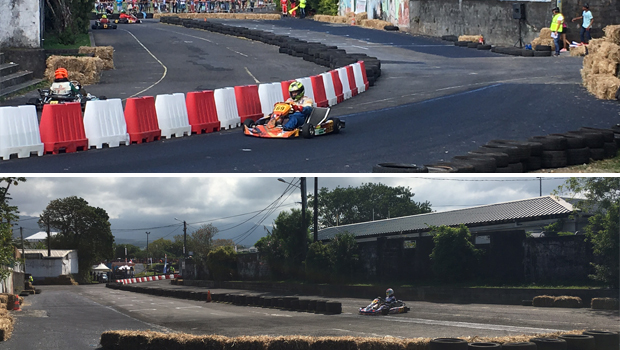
{"x": 549, "y": 343}
{"x": 104, "y": 123}
{"x": 447, "y": 344}
{"x": 19, "y": 132}
{"x": 248, "y": 102}
{"x": 549, "y": 151}
{"x": 604, "y": 340}
{"x": 399, "y": 168}
{"x": 519, "y": 346}
{"x": 141, "y": 118}
{"x": 62, "y": 128}
{"x": 172, "y": 115}
{"x": 481, "y": 346}
{"x": 579, "y": 341}
{"x": 201, "y": 112}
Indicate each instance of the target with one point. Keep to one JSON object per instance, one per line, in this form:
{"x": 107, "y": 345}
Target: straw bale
{"x": 472, "y": 38}
{"x": 545, "y": 33}
{"x": 6, "y": 328}
{"x": 379, "y": 344}
{"x": 86, "y": 70}
{"x": 416, "y": 344}
{"x": 605, "y": 66}
{"x": 542, "y": 41}
{"x": 360, "y": 16}
{"x": 290, "y": 343}
{"x": 518, "y": 338}
{"x": 612, "y": 33}
{"x": 543, "y": 301}
{"x": 247, "y": 343}
{"x": 567, "y": 301}
{"x": 602, "y": 86}
{"x": 106, "y": 53}
{"x": 350, "y": 14}
{"x": 3, "y": 312}
{"x": 578, "y": 51}
{"x": 331, "y": 343}
{"x": 4, "y": 298}
{"x": 110, "y": 340}
{"x": 605, "y": 303}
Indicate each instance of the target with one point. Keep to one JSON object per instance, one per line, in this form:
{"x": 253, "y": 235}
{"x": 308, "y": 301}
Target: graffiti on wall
{"x": 395, "y": 11}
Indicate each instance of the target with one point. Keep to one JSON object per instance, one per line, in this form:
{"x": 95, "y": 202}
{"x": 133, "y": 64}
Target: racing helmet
{"x": 389, "y": 292}
{"x": 104, "y": 16}
{"x": 123, "y": 11}
{"x": 61, "y": 73}
{"x": 296, "y": 90}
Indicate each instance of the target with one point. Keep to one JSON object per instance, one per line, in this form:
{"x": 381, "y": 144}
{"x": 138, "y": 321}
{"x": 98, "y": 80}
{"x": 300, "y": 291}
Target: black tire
{"x": 461, "y": 43}
{"x": 321, "y": 306}
{"x": 554, "y": 159}
{"x": 516, "y": 167}
{"x": 248, "y": 123}
{"x": 472, "y": 45}
{"x": 579, "y": 341}
{"x": 527, "y": 302}
{"x": 549, "y": 344}
{"x": 524, "y": 148}
{"x": 311, "y": 305}
{"x": 617, "y": 139}
{"x": 481, "y": 164}
{"x": 450, "y": 167}
{"x": 267, "y": 302}
{"x": 611, "y": 149}
{"x": 333, "y": 307}
{"x": 336, "y": 125}
{"x": 605, "y": 340}
{"x": 399, "y": 168}
{"x": 526, "y": 345}
{"x": 484, "y": 47}
{"x": 542, "y": 53}
{"x": 307, "y": 131}
{"x": 449, "y": 37}
{"x": 33, "y": 101}
{"x": 597, "y": 153}
{"x": 391, "y": 28}
{"x": 385, "y": 311}
{"x": 447, "y": 344}
{"x": 608, "y": 134}
{"x": 114, "y": 26}
{"x": 578, "y": 156}
{"x": 303, "y": 304}
{"x": 591, "y": 139}
{"x": 103, "y": 98}
{"x": 501, "y": 159}
{"x": 527, "y": 53}
{"x": 479, "y": 346}
{"x": 573, "y": 141}
{"x": 551, "y": 142}
{"x": 542, "y": 48}
{"x": 503, "y": 170}
{"x": 513, "y": 152}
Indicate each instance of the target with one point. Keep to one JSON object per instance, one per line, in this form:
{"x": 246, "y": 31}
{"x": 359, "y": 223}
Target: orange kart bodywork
{"x": 271, "y": 126}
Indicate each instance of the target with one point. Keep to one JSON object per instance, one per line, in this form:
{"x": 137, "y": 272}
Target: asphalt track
{"x": 73, "y": 317}
{"x": 433, "y": 100}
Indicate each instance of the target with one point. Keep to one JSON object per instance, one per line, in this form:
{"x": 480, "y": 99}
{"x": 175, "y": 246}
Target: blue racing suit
{"x": 390, "y": 299}
{"x": 297, "y": 119}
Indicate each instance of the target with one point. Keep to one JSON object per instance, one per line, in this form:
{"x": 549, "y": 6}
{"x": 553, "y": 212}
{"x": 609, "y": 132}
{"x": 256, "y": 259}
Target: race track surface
{"x": 432, "y": 102}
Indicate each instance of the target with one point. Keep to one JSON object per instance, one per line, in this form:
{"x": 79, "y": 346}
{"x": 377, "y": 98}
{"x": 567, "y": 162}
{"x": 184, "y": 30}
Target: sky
{"x": 241, "y": 207}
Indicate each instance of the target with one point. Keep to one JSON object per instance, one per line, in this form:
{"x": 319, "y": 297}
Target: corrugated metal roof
{"x": 520, "y": 210}
{"x": 56, "y": 253}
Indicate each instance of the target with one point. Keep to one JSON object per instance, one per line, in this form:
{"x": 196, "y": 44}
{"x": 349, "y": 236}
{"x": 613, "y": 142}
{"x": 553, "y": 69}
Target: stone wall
{"x": 251, "y": 267}
{"x": 20, "y": 23}
{"x": 493, "y": 18}
{"x": 549, "y": 259}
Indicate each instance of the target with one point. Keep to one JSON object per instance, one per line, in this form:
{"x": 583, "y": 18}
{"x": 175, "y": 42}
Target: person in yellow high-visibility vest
{"x": 302, "y": 8}
{"x": 556, "y": 29}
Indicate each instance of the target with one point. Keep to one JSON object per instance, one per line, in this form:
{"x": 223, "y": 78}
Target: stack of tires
{"x": 546, "y": 152}
{"x": 472, "y": 45}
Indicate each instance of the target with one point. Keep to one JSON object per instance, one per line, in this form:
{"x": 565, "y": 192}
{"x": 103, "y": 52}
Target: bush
{"x": 328, "y": 7}
{"x": 222, "y": 263}
{"x": 318, "y": 262}
{"x": 454, "y": 257}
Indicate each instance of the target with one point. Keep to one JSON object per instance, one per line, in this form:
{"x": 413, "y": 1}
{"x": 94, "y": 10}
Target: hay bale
{"x": 4, "y": 298}
{"x": 6, "y": 328}
{"x": 379, "y": 344}
{"x": 605, "y": 66}
{"x": 471, "y": 38}
{"x": 568, "y": 301}
{"x": 542, "y": 41}
{"x": 331, "y": 343}
{"x": 543, "y": 301}
{"x": 578, "y": 51}
{"x": 602, "y": 86}
{"x": 110, "y": 340}
{"x": 86, "y": 70}
{"x": 612, "y": 33}
{"x": 416, "y": 344}
{"x": 545, "y": 33}
{"x": 106, "y": 53}
{"x": 605, "y": 303}
{"x": 360, "y": 16}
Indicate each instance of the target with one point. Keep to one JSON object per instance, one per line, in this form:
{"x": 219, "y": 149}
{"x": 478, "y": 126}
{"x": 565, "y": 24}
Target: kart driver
{"x": 62, "y": 85}
{"x": 389, "y": 296}
{"x": 124, "y": 15}
{"x": 104, "y": 19}
{"x": 302, "y": 105}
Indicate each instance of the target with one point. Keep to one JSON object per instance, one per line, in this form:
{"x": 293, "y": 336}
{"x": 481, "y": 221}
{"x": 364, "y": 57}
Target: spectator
{"x": 119, "y": 5}
{"x": 587, "y": 17}
{"x": 556, "y": 29}
{"x": 182, "y": 6}
{"x": 175, "y": 6}
{"x": 251, "y": 5}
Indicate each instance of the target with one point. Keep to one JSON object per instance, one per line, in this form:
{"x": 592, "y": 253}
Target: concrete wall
{"x": 20, "y": 23}
{"x": 53, "y": 267}
{"x": 493, "y": 18}
{"x": 252, "y": 267}
{"x": 557, "y": 258}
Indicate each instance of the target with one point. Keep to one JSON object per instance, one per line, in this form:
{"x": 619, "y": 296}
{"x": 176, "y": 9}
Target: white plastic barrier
{"x": 269, "y": 94}
{"x": 172, "y": 115}
{"x": 308, "y": 88}
{"x": 19, "y": 132}
{"x": 226, "y": 107}
{"x": 344, "y": 79}
{"x": 104, "y": 123}
{"x": 359, "y": 77}
{"x": 330, "y": 92}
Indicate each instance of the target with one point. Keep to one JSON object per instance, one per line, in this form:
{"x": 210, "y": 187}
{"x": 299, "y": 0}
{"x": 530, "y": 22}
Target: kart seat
{"x": 318, "y": 115}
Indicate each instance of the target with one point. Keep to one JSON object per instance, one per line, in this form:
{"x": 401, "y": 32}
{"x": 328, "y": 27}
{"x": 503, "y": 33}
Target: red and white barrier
{"x": 201, "y": 112}
{"x": 359, "y": 77}
{"x": 19, "y": 132}
{"x": 172, "y": 115}
{"x": 328, "y": 85}
{"x": 248, "y": 102}
{"x": 141, "y": 119}
{"x": 226, "y": 106}
{"x": 269, "y": 94}
{"x": 318, "y": 89}
{"x": 344, "y": 79}
{"x": 104, "y": 123}
{"x": 148, "y": 279}
{"x": 62, "y": 128}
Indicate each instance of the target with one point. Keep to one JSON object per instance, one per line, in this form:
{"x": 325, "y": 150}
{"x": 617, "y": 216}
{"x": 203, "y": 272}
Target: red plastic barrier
{"x": 337, "y": 86}
{"x": 141, "y": 119}
{"x": 352, "y": 84}
{"x": 318, "y": 88}
{"x": 248, "y": 102}
{"x": 61, "y": 127}
{"x": 285, "y": 85}
{"x": 363, "y": 66}
{"x": 201, "y": 112}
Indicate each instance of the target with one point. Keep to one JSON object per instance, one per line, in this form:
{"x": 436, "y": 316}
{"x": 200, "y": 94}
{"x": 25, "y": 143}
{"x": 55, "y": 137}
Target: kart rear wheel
{"x": 103, "y": 98}
{"x": 385, "y": 311}
{"x": 336, "y": 125}
{"x": 248, "y": 122}
{"x": 114, "y": 26}
{"x": 94, "y": 26}
{"x": 307, "y": 131}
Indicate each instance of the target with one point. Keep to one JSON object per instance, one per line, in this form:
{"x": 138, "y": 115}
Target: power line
{"x": 492, "y": 180}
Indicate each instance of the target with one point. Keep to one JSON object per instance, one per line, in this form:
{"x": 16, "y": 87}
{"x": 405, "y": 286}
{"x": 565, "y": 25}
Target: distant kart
{"x": 271, "y": 126}
{"x": 127, "y": 20}
{"x": 46, "y": 96}
{"x": 99, "y": 25}
{"x": 380, "y": 307}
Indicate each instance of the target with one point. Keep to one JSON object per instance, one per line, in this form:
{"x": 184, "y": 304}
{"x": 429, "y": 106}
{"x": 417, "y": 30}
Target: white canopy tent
{"x": 39, "y": 236}
{"x": 101, "y": 268}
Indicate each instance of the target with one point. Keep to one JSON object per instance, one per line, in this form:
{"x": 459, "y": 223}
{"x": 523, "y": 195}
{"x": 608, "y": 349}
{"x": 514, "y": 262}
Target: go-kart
{"x": 47, "y": 97}
{"x": 271, "y": 126}
{"x": 380, "y": 307}
{"x": 99, "y": 25}
{"x": 127, "y": 19}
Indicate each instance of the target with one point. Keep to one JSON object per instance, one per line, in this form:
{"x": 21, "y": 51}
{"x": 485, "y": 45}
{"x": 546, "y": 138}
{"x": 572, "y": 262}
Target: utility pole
{"x": 184, "y": 239}
{"x": 21, "y": 234}
{"x": 49, "y": 240}
{"x": 540, "y": 185}
{"x": 304, "y": 205}
{"x": 316, "y": 209}
{"x": 147, "y": 247}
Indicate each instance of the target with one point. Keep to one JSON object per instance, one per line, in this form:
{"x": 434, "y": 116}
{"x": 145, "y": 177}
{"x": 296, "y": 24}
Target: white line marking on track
{"x": 242, "y": 54}
{"x": 142, "y": 310}
{"x": 156, "y": 59}
{"x": 360, "y": 47}
{"x": 253, "y": 77}
{"x": 188, "y": 307}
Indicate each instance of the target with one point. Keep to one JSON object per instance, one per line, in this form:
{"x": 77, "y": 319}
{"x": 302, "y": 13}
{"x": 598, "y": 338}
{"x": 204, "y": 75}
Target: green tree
{"x": 67, "y": 18}
{"x": 133, "y": 251}
{"x": 159, "y": 248}
{"x": 318, "y": 262}
{"x": 328, "y": 7}
{"x": 368, "y": 202}
{"x": 222, "y": 263}
{"x": 345, "y": 256}
{"x": 286, "y": 245}
{"x": 600, "y": 197}
{"x": 454, "y": 257}
{"x": 220, "y": 242}
{"x": 200, "y": 242}
{"x": 8, "y": 214}
{"x": 80, "y": 227}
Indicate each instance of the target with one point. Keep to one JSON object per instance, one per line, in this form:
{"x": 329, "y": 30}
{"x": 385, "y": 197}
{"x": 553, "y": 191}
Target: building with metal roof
{"x": 525, "y": 214}
{"x": 60, "y": 262}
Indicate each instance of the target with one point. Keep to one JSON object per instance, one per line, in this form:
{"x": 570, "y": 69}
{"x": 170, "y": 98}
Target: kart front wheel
{"x": 94, "y": 26}
{"x": 307, "y": 131}
{"x": 248, "y": 123}
{"x": 336, "y": 125}
{"x": 385, "y": 311}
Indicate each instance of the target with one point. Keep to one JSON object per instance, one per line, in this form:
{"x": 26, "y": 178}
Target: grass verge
{"x": 51, "y": 42}
{"x": 602, "y": 166}
{"x": 42, "y": 85}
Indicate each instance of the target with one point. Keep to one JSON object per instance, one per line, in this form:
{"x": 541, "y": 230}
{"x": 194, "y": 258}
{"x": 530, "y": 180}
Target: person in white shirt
{"x": 586, "y": 25}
